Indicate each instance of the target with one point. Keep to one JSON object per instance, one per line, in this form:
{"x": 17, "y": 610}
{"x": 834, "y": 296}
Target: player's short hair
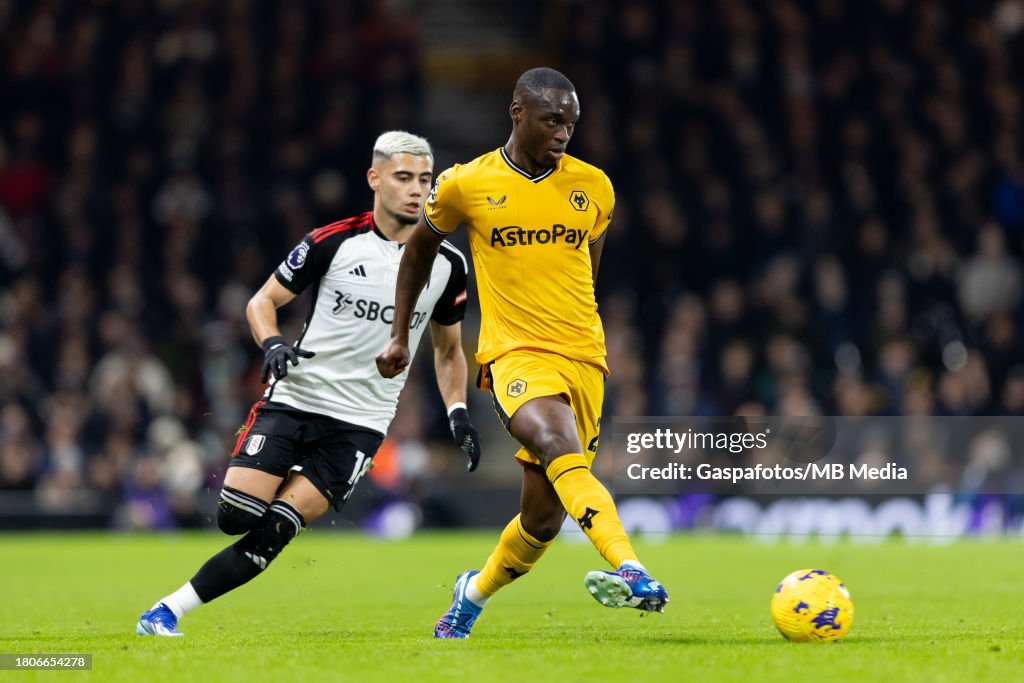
{"x": 400, "y": 142}
{"x": 542, "y": 78}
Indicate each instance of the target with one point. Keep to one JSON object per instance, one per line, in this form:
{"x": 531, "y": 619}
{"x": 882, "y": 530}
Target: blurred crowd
{"x": 157, "y": 160}
{"x": 821, "y": 204}
{"x": 820, "y": 211}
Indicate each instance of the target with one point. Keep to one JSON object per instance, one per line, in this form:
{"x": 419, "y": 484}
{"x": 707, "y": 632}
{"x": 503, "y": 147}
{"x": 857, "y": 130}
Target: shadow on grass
{"x": 546, "y": 638}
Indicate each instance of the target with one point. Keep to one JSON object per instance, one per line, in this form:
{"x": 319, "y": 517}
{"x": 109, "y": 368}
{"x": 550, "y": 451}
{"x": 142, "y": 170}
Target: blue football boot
{"x": 458, "y": 620}
{"x": 627, "y": 587}
{"x": 159, "y": 621}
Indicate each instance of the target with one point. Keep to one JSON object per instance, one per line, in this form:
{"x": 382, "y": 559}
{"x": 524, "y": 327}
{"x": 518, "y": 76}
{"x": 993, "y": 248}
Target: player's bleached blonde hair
{"x": 400, "y": 142}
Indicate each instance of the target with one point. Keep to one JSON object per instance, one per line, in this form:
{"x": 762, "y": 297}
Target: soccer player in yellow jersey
{"x": 536, "y": 219}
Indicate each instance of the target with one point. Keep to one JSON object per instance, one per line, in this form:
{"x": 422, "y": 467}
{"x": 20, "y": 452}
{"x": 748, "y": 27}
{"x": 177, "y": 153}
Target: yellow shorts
{"x": 522, "y": 375}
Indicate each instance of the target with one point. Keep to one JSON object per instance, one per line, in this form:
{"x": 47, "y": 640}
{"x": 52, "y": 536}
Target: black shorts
{"x": 332, "y": 454}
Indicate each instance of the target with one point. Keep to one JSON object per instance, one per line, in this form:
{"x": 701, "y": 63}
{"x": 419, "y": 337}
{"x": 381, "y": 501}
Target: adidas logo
{"x": 260, "y": 562}
{"x": 358, "y": 270}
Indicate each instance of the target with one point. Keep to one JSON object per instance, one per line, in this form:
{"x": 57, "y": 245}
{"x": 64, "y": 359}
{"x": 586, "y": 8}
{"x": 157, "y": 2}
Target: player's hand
{"x": 393, "y": 359}
{"x": 465, "y": 435}
{"x": 277, "y": 353}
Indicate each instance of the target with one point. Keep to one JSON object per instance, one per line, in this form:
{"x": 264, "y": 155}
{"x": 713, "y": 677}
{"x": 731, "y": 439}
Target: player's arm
{"x": 261, "y": 312}
{"x": 449, "y": 362}
{"x": 596, "y": 248}
{"x": 450, "y": 368}
{"x": 417, "y": 261}
{"x": 306, "y": 264}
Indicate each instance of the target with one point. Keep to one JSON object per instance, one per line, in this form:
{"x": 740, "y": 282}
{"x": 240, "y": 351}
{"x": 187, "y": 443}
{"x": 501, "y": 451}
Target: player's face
{"x": 402, "y": 184}
{"x": 546, "y": 123}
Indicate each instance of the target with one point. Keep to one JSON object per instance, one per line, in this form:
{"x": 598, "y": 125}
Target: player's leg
{"x": 259, "y": 462}
{"x": 243, "y": 502}
{"x": 297, "y": 504}
{"x": 519, "y": 547}
{"x": 303, "y": 497}
{"x": 332, "y": 460}
{"x": 535, "y": 394}
{"x": 524, "y": 539}
{"x": 549, "y": 428}
{"x": 546, "y": 426}
{"x": 244, "y": 498}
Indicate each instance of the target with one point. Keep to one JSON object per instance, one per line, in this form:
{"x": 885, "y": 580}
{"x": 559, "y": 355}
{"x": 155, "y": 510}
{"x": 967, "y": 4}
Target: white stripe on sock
{"x": 255, "y": 507}
{"x": 286, "y": 511}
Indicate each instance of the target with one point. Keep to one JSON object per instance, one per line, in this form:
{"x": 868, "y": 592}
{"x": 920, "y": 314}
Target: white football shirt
{"x": 354, "y": 268}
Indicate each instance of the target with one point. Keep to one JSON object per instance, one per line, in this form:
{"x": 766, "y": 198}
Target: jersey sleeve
{"x": 306, "y": 263}
{"x": 444, "y": 208}
{"x": 605, "y": 206}
{"x": 451, "y": 307}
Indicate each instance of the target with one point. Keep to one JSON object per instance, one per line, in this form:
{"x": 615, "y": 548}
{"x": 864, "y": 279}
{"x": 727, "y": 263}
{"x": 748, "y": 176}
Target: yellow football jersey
{"x": 529, "y": 236}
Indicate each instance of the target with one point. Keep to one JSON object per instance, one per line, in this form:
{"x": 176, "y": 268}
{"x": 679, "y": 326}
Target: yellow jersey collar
{"x": 523, "y": 172}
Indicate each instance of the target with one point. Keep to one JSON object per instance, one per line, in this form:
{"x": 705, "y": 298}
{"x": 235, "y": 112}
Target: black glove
{"x": 465, "y": 435}
{"x": 276, "y": 355}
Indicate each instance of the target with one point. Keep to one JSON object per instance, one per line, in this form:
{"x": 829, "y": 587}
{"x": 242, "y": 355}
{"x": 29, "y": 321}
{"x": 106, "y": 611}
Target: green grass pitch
{"x": 344, "y": 607}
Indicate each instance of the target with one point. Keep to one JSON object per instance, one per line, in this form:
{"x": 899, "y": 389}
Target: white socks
{"x": 474, "y": 595}
{"x": 630, "y": 564}
{"x": 182, "y": 601}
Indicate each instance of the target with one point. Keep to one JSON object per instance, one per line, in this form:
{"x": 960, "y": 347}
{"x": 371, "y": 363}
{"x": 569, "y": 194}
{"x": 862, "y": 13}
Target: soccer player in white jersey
{"x": 314, "y": 433}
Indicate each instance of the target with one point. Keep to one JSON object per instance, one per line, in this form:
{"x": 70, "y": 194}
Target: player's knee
{"x": 550, "y": 444}
{"x": 233, "y": 521}
{"x": 276, "y": 529}
{"x": 543, "y": 525}
{"x": 238, "y": 512}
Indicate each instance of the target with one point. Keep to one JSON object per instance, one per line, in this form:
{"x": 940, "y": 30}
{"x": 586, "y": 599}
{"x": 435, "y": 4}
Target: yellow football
{"x": 812, "y": 605}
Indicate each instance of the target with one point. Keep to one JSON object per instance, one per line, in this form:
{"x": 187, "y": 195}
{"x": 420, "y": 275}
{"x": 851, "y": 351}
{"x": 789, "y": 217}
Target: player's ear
{"x": 373, "y": 179}
{"x": 515, "y": 110}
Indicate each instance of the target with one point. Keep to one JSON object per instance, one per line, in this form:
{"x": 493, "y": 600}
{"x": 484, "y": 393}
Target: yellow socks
{"x": 589, "y": 503}
{"x": 516, "y": 553}
{"x": 585, "y": 500}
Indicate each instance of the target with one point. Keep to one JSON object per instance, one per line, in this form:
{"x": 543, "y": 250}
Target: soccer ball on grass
{"x": 812, "y": 605}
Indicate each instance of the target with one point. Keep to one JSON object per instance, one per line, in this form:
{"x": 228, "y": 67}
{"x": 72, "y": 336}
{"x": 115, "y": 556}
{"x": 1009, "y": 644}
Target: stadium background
{"x": 820, "y": 211}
